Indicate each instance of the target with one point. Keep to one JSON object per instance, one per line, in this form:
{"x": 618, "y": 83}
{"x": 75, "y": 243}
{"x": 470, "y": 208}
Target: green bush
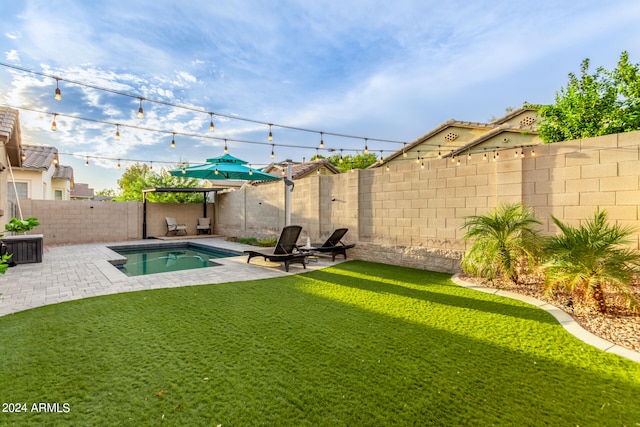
{"x": 504, "y": 242}
{"x": 21, "y": 225}
{"x": 586, "y": 260}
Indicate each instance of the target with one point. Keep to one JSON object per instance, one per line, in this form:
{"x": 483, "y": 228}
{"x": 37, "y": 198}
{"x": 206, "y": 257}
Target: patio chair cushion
{"x": 173, "y": 226}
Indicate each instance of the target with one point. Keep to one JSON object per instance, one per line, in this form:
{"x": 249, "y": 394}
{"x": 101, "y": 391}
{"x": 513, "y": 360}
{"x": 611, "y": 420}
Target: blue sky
{"x": 374, "y": 69}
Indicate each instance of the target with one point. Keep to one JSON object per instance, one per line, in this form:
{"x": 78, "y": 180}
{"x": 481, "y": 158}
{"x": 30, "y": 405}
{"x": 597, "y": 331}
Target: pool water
{"x": 162, "y": 259}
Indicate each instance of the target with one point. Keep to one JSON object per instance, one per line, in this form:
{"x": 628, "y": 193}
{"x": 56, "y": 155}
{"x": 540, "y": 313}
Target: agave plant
{"x": 504, "y": 242}
{"x": 586, "y": 260}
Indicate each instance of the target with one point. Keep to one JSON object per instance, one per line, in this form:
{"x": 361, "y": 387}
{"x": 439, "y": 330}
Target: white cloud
{"x": 13, "y": 35}
{"x": 12, "y": 55}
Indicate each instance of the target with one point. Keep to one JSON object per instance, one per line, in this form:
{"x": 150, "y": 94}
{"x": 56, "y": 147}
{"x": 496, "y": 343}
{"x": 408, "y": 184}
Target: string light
{"x": 173, "y": 141}
{"x": 340, "y": 160}
{"x": 418, "y": 158}
{"x": 422, "y": 165}
{"x": 226, "y": 150}
{"x": 484, "y": 156}
{"x": 54, "y": 126}
{"x": 23, "y": 155}
{"x": 140, "y": 111}
{"x": 150, "y": 165}
{"x": 118, "y": 163}
{"x": 382, "y": 160}
{"x": 58, "y": 94}
{"x": 321, "y": 141}
{"x": 184, "y": 170}
{"x": 212, "y": 127}
{"x": 404, "y": 150}
{"x": 273, "y": 155}
{"x": 366, "y": 149}
{"x": 270, "y": 134}
{"x": 250, "y": 171}
{"x": 86, "y": 162}
{"x": 117, "y": 132}
{"x": 216, "y": 171}
{"x": 533, "y": 152}
{"x": 439, "y": 153}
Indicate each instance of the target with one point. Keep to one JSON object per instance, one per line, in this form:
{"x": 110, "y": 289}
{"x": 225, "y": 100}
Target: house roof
{"x": 38, "y": 156}
{"x": 448, "y": 146}
{"x": 10, "y": 133}
{"x": 300, "y": 170}
{"x": 63, "y": 172}
{"x": 82, "y": 190}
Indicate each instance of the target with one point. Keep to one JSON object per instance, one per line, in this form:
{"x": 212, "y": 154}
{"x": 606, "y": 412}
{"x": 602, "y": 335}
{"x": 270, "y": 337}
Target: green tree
{"x": 586, "y": 260}
{"x": 138, "y": 177}
{"x": 601, "y": 103}
{"x": 348, "y": 162}
{"x": 504, "y": 242}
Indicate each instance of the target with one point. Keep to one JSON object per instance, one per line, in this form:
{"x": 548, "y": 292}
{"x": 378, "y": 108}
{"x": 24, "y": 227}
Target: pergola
{"x": 204, "y": 192}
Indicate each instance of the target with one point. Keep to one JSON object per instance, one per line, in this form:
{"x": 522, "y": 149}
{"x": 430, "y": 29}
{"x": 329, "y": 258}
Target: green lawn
{"x": 355, "y": 344}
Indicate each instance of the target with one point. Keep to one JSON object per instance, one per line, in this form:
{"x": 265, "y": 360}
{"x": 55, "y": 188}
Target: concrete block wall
{"x": 65, "y": 221}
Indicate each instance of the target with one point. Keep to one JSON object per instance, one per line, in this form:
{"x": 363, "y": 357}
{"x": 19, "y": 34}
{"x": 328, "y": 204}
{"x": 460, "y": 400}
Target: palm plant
{"x": 587, "y": 259}
{"x": 504, "y": 242}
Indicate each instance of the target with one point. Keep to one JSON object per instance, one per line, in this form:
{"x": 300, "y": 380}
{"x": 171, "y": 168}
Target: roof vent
{"x": 450, "y": 137}
{"x": 527, "y": 121}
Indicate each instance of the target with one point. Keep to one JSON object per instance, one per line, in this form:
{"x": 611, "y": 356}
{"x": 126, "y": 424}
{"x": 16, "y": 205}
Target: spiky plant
{"x": 504, "y": 241}
{"x": 586, "y": 260}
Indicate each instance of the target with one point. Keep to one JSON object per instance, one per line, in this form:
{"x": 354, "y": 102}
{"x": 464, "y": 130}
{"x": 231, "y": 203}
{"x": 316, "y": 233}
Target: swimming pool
{"x": 152, "y": 259}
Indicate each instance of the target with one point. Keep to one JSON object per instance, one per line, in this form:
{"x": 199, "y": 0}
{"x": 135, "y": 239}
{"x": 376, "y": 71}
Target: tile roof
{"x": 10, "y": 133}
{"x": 82, "y": 190}
{"x": 63, "y": 172}
{"x": 38, "y": 156}
{"x": 300, "y": 170}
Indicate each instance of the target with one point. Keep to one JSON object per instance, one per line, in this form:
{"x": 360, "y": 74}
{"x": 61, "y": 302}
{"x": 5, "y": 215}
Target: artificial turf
{"x": 355, "y": 344}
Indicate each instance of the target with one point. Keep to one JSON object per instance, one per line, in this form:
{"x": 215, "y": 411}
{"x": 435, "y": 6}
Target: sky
{"x": 380, "y": 70}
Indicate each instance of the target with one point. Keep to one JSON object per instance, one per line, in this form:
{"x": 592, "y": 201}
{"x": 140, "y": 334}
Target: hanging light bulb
{"x": 317, "y": 159}
{"x": 387, "y": 167}
{"x": 117, "y": 132}
{"x": 418, "y": 158}
{"x": 86, "y": 162}
{"x": 272, "y": 153}
{"x": 497, "y": 154}
{"x": 216, "y": 171}
{"x": 522, "y": 153}
{"x": 341, "y": 159}
{"x": 212, "y": 127}
{"x": 458, "y": 161}
{"x": 173, "y": 140}
{"x": 118, "y": 163}
{"x": 321, "y": 141}
{"x": 404, "y": 151}
{"x": 184, "y": 170}
{"x": 250, "y": 171}
{"x": 366, "y": 149}
{"x": 226, "y": 150}
{"x": 318, "y": 171}
{"x": 150, "y": 165}
{"x": 469, "y": 155}
{"x": 439, "y": 153}
{"x": 23, "y": 156}
{"x": 453, "y": 158}
{"x": 58, "y": 95}
{"x": 484, "y": 156}
{"x": 270, "y": 134}
{"x": 381, "y": 159}
{"x": 54, "y": 126}
{"x": 516, "y": 154}
{"x": 140, "y": 111}
{"x": 533, "y": 152}
{"x": 422, "y": 165}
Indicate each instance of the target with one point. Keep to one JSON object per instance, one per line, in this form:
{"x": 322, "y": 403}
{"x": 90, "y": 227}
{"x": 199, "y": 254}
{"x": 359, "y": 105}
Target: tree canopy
{"x": 138, "y": 177}
{"x": 594, "y": 104}
{"x": 348, "y": 162}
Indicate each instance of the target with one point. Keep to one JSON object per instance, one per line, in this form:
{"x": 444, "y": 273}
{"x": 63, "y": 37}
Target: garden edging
{"x": 562, "y": 317}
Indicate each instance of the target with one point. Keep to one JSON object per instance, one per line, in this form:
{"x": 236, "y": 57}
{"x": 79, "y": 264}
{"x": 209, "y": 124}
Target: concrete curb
{"x": 562, "y": 317}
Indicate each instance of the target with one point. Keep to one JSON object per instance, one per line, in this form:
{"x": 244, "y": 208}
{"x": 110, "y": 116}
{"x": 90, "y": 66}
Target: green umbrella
{"x": 224, "y": 167}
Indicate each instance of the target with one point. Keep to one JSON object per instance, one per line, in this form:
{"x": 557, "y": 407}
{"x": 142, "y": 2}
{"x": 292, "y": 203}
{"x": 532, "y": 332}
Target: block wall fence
{"x": 406, "y": 215}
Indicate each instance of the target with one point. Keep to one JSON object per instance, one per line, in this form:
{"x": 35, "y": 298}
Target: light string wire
{"x": 194, "y": 109}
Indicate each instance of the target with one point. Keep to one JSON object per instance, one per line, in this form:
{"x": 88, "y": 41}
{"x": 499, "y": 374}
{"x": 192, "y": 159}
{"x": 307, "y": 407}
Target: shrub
{"x": 504, "y": 242}
{"x": 586, "y": 260}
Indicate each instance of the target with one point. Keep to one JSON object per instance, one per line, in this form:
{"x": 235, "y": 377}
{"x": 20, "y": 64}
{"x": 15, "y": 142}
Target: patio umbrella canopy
{"x": 224, "y": 167}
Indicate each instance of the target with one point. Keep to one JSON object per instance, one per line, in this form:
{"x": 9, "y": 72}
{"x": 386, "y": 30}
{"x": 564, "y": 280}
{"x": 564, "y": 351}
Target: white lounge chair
{"x": 173, "y": 226}
{"x": 204, "y": 225}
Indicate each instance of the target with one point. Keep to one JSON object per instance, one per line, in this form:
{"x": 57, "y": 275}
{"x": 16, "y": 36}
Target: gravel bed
{"x": 620, "y": 325}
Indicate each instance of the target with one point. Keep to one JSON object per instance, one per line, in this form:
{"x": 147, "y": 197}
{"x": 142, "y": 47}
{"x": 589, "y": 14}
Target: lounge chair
{"x": 334, "y": 244}
{"x": 173, "y": 226}
{"x": 204, "y": 225}
{"x": 285, "y": 250}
